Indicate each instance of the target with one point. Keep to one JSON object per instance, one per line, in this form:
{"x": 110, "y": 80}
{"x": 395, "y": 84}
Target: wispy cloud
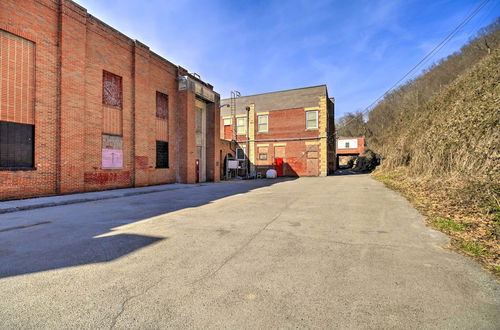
{"x": 358, "y": 48}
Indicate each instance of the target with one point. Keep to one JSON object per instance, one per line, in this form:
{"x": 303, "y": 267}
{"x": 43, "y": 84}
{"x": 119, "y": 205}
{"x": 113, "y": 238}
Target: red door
{"x": 227, "y": 132}
{"x": 278, "y": 166}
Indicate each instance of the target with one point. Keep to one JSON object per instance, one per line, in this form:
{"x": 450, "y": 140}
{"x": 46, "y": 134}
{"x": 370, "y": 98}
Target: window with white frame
{"x": 241, "y": 126}
{"x": 227, "y": 121}
{"x": 262, "y": 121}
{"x": 311, "y": 119}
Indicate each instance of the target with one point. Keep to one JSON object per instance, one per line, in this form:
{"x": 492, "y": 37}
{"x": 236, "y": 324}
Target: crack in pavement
{"x": 124, "y": 303}
{"x": 390, "y": 246}
{"x": 25, "y": 226}
{"x": 234, "y": 254}
{"x": 204, "y": 277}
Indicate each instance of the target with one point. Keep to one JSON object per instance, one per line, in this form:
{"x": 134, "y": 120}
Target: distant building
{"x": 291, "y": 131}
{"x": 350, "y": 146}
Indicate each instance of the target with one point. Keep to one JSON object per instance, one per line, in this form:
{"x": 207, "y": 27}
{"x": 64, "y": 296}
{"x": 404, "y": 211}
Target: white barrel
{"x": 271, "y": 174}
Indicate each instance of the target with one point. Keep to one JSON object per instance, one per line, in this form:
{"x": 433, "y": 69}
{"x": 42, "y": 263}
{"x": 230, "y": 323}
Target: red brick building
{"x": 291, "y": 131}
{"x": 84, "y": 107}
{"x": 350, "y": 146}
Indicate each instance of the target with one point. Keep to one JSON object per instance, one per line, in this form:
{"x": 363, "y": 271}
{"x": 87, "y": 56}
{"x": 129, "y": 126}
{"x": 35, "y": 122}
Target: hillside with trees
{"x": 439, "y": 139}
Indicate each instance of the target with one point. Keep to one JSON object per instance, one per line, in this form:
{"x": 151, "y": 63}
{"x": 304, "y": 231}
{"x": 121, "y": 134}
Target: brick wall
{"x": 44, "y": 35}
{"x": 301, "y": 149}
{"x": 64, "y": 99}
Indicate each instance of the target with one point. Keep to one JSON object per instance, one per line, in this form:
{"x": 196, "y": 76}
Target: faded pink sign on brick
{"x": 112, "y": 158}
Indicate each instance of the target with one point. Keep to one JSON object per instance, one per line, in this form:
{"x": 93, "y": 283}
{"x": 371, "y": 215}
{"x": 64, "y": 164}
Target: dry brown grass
{"x": 470, "y": 224}
{"x": 445, "y": 157}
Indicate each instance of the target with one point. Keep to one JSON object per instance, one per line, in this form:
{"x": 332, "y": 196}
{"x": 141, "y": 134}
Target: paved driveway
{"x": 336, "y": 252}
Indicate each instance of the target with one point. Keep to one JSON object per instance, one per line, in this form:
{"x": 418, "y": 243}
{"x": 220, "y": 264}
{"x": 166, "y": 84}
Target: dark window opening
{"x": 347, "y": 145}
{"x": 161, "y": 105}
{"x": 16, "y": 145}
{"x": 161, "y": 154}
{"x": 111, "y": 89}
{"x": 240, "y": 153}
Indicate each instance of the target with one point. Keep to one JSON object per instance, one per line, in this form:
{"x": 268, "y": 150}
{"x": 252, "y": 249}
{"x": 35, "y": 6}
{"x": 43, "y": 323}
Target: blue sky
{"x": 358, "y": 48}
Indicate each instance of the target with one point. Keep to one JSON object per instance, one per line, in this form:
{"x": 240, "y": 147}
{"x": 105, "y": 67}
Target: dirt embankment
{"x": 445, "y": 157}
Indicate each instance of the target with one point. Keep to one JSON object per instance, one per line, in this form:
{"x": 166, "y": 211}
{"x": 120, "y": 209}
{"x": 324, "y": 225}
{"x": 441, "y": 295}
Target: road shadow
{"x": 76, "y": 253}
{"x": 343, "y": 172}
{"x": 80, "y": 234}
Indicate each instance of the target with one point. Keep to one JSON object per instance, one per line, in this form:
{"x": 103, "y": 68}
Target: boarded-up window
{"x": 228, "y": 131}
{"x": 313, "y": 167}
{"x": 17, "y": 79}
{"x": 199, "y": 121}
{"x": 161, "y": 105}
{"x": 161, "y": 154}
{"x": 111, "y": 89}
{"x": 312, "y": 154}
{"x": 16, "y": 145}
{"x": 112, "y": 151}
{"x": 279, "y": 152}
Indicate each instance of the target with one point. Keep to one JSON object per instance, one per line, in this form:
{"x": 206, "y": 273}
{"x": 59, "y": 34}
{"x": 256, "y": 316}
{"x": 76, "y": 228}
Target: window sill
{"x": 312, "y": 129}
{"x": 17, "y": 168}
{"x": 117, "y": 107}
{"x": 161, "y": 168}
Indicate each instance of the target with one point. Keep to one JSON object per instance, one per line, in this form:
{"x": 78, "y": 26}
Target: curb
{"x": 84, "y": 200}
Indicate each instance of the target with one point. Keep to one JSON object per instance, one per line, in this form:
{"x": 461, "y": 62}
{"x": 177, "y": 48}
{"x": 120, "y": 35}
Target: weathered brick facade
{"x": 54, "y": 57}
{"x": 304, "y": 151}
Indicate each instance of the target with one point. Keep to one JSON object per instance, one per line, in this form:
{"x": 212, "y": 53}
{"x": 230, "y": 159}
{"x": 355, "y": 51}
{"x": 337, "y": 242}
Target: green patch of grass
{"x": 389, "y": 180}
{"x": 383, "y": 177}
{"x": 447, "y": 225}
{"x": 496, "y": 269}
{"x": 473, "y": 248}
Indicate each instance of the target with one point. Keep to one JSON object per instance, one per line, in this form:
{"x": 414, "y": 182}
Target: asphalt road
{"x": 339, "y": 252}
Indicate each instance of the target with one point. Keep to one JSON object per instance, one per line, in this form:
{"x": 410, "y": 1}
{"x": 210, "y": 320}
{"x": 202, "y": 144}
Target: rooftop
{"x": 278, "y": 100}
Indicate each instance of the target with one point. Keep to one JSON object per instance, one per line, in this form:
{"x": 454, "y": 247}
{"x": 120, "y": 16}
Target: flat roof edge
{"x": 281, "y": 91}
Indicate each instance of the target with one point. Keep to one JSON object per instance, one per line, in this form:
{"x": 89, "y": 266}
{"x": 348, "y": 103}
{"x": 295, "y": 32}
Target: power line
{"x": 424, "y": 59}
{"x": 486, "y": 13}
{"x": 467, "y": 20}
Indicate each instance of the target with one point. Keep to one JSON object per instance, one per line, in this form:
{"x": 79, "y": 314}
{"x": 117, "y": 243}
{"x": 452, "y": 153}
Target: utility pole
{"x": 247, "y": 148}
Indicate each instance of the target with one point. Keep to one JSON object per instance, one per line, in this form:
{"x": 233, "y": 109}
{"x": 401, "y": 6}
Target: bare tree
{"x": 351, "y": 125}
